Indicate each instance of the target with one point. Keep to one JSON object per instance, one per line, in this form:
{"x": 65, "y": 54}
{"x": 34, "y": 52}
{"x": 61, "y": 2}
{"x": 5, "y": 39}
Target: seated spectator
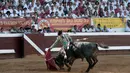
{"x": 85, "y": 28}
{"x": 13, "y": 29}
{"x": 27, "y": 29}
{"x": 14, "y": 14}
{"x": 127, "y": 29}
{"x": 105, "y": 29}
{"x": 1, "y": 30}
{"x": 1, "y": 15}
{"x": 33, "y": 30}
{"x": 8, "y": 14}
{"x": 98, "y": 28}
{"x": 112, "y": 14}
{"x": 101, "y": 12}
{"x": 119, "y": 14}
{"x": 44, "y": 30}
{"x": 56, "y": 15}
{"x": 75, "y": 29}
{"x": 52, "y": 15}
{"x": 48, "y": 29}
{"x": 92, "y": 28}
{"x": 21, "y": 30}
{"x": 124, "y": 14}
{"x": 60, "y": 11}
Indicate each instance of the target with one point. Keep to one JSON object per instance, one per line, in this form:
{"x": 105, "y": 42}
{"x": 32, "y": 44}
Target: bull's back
{"x": 87, "y": 48}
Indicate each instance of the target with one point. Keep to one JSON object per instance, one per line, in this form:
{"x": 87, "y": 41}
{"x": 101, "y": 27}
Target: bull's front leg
{"x": 67, "y": 65}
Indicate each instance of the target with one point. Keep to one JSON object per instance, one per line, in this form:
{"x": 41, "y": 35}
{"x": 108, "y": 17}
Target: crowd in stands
{"x": 64, "y": 9}
{"x": 90, "y": 28}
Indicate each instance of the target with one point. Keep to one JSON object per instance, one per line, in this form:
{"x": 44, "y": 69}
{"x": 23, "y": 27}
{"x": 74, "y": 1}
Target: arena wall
{"x": 46, "y": 40}
{"x": 11, "y": 42}
{"x": 23, "y": 48}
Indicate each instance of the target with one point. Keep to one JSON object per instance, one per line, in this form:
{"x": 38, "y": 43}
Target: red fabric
{"x": 50, "y": 61}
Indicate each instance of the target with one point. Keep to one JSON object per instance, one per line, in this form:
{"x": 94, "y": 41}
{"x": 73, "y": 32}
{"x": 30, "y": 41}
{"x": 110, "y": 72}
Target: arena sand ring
{"x": 50, "y": 61}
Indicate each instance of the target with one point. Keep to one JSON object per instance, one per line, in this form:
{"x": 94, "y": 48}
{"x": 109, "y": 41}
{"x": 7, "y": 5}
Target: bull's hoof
{"x": 62, "y": 68}
{"x": 69, "y": 69}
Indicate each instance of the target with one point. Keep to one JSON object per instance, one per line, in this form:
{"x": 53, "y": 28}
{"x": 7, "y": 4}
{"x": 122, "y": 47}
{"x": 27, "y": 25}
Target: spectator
{"x": 42, "y": 14}
{"x": 21, "y": 30}
{"x": 105, "y": 29}
{"x": 13, "y": 29}
{"x": 101, "y": 13}
{"x": 60, "y": 11}
{"x": 14, "y": 14}
{"x": 85, "y": 28}
{"x": 33, "y": 30}
{"x": 127, "y": 29}
{"x": 92, "y": 28}
{"x": 1, "y": 15}
{"x": 8, "y": 14}
{"x": 98, "y": 28}
{"x": 119, "y": 14}
{"x": 57, "y": 14}
{"x": 117, "y": 10}
{"x": 1, "y": 30}
{"x": 48, "y": 29}
{"x": 52, "y": 15}
{"x": 75, "y": 29}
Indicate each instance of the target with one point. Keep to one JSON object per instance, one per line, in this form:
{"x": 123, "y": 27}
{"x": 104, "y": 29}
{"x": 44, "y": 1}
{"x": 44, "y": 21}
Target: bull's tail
{"x": 103, "y": 45}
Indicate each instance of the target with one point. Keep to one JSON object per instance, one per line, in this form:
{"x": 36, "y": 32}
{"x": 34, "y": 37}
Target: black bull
{"x": 87, "y": 50}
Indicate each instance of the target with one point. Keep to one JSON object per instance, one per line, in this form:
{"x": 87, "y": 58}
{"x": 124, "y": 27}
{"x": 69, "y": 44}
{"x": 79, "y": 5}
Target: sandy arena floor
{"x": 35, "y": 64}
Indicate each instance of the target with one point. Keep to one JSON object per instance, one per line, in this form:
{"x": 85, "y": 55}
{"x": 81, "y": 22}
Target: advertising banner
{"x": 17, "y": 22}
{"x": 114, "y": 24}
{"x": 63, "y": 23}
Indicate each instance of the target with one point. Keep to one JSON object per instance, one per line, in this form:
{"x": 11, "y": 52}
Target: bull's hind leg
{"x": 90, "y": 64}
{"x": 95, "y": 60}
{"x": 68, "y": 66}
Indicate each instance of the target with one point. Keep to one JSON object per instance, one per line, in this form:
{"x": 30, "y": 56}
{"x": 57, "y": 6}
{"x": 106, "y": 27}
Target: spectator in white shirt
{"x": 75, "y": 29}
{"x": 85, "y": 28}
{"x": 30, "y": 10}
{"x": 92, "y": 28}
{"x": 37, "y": 5}
{"x": 57, "y": 14}
{"x": 125, "y": 3}
{"x": 60, "y": 11}
{"x": 119, "y": 14}
{"x": 8, "y": 14}
{"x": 77, "y": 2}
{"x": 105, "y": 29}
{"x": 14, "y": 14}
{"x": 74, "y": 15}
{"x": 25, "y": 13}
{"x": 127, "y": 29}
{"x": 52, "y": 9}
{"x": 124, "y": 14}
{"x": 48, "y": 1}
{"x": 26, "y": 5}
